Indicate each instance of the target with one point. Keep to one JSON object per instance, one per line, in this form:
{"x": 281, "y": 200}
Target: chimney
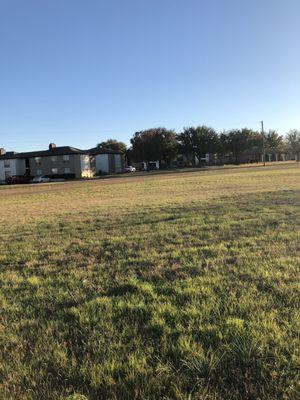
{"x": 2, "y": 151}
{"x": 52, "y": 146}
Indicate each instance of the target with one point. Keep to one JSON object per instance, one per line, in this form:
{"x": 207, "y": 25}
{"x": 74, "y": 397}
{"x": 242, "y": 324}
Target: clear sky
{"x": 77, "y": 72}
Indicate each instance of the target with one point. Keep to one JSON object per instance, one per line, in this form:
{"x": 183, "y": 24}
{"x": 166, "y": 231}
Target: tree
{"x": 240, "y": 140}
{"x": 273, "y": 142}
{"x": 113, "y": 145}
{"x": 293, "y": 143}
{"x": 154, "y": 144}
{"x": 223, "y": 146}
{"x": 185, "y": 142}
{"x": 198, "y": 141}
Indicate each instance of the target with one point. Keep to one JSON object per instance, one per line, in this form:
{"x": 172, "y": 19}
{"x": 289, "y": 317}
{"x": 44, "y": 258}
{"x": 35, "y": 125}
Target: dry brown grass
{"x": 174, "y": 286}
{"x": 24, "y": 204}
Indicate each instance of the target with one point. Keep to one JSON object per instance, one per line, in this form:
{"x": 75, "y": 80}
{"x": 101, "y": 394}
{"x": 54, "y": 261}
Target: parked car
{"x": 130, "y": 169}
{"x": 18, "y": 179}
{"x": 40, "y": 179}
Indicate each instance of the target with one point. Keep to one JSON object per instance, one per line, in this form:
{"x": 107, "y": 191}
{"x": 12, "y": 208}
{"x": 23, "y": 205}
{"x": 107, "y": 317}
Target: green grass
{"x": 172, "y": 287}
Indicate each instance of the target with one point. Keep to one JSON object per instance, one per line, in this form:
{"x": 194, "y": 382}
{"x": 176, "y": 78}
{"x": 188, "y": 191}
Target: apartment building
{"x": 106, "y": 160}
{"x": 10, "y": 165}
{"x": 66, "y": 161}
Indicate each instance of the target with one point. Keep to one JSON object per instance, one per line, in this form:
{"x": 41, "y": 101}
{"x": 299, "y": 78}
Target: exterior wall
{"x": 77, "y": 164}
{"x": 20, "y": 167}
{"x": 11, "y": 167}
{"x": 80, "y": 165}
{"x": 118, "y": 162}
{"x": 85, "y": 167}
{"x": 109, "y": 163}
{"x": 205, "y": 159}
{"x": 153, "y": 165}
{"x": 2, "y": 175}
{"x": 102, "y": 163}
{"x": 47, "y": 164}
{"x": 191, "y": 160}
{"x": 112, "y": 163}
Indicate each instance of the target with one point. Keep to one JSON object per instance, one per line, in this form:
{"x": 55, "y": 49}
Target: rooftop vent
{"x": 2, "y": 151}
{"x": 52, "y": 146}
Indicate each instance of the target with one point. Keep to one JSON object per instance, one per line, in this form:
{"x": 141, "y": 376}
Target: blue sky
{"x": 77, "y": 72}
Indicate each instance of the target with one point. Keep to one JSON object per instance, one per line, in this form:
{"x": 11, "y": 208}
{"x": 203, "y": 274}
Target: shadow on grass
{"x": 168, "y": 303}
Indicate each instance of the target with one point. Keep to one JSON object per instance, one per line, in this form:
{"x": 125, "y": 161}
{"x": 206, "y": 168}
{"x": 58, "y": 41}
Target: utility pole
{"x": 263, "y": 138}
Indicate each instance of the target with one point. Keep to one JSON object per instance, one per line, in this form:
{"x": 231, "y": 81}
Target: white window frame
{"x": 54, "y": 171}
{"x": 38, "y": 160}
{"x": 67, "y": 170}
{"x": 66, "y": 158}
{"x": 6, "y": 163}
{"x": 39, "y": 172}
{"x": 53, "y": 159}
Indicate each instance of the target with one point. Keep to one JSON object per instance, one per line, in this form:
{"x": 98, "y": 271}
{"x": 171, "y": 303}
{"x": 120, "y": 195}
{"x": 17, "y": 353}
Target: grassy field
{"x": 181, "y": 286}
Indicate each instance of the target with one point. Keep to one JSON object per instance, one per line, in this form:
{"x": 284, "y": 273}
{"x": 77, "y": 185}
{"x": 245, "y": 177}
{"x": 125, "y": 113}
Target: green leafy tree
{"x": 198, "y": 141}
{"x": 293, "y": 143}
{"x": 240, "y": 140}
{"x": 273, "y": 141}
{"x": 223, "y": 144}
{"x": 154, "y": 144}
{"x": 113, "y": 145}
{"x": 185, "y": 142}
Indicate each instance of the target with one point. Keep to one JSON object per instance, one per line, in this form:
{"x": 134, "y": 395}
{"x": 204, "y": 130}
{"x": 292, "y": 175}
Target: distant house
{"x": 151, "y": 165}
{"x": 10, "y": 165}
{"x": 106, "y": 160}
{"x": 66, "y": 161}
{"x": 56, "y": 161}
{"x": 190, "y": 160}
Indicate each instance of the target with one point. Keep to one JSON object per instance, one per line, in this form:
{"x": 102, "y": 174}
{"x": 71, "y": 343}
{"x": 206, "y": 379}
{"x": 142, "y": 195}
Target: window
{"x": 66, "y": 158}
{"x": 38, "y": 160}
{"x": 7, "y": 174}
{"x": 53, "y": 159}
{"x": 39, "y": 172}
{"x": 67, "y": 170}
{"x": 6, "y": 163}
{"x": 54, "y": 170}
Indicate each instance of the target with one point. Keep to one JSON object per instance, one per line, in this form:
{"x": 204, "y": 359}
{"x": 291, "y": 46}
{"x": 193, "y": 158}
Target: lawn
{"x": 178, "y": 286}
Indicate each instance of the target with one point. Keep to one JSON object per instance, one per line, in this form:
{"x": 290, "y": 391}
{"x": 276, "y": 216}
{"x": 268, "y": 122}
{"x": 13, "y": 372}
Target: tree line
{"x": 166, "y": 145}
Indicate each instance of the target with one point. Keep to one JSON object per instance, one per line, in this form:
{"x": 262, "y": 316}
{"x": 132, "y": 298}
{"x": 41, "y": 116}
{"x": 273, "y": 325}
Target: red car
{"x": 18, "y": 179}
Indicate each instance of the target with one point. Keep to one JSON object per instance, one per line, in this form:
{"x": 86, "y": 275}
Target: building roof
{"x": 8, "y": 154}
{"x": 56, "y": 151}
{"x": 101, "y": 150}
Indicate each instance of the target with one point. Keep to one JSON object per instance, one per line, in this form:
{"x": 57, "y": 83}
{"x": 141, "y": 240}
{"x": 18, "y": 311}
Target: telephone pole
{"x": 263, "y": 139}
